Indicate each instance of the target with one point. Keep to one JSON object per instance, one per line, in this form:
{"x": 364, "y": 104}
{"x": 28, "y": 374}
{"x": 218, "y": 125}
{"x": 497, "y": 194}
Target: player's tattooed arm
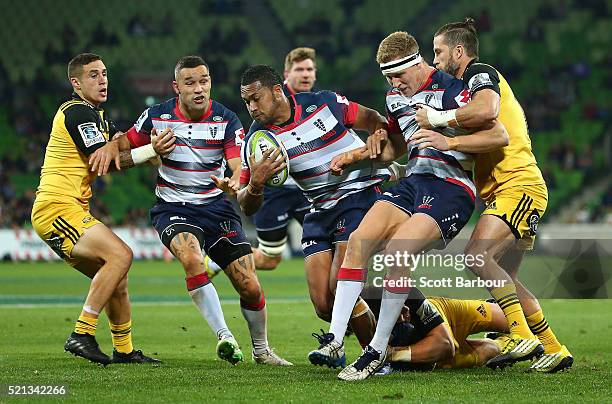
{"x": 119, "y": 152}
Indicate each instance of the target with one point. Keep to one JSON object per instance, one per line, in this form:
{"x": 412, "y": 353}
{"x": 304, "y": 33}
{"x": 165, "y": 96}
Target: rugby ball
{"x": 260, "y": 142}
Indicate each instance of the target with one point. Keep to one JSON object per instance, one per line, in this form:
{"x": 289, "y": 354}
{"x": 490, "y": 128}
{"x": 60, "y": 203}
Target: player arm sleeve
{"x": 423, "y": 314}
{"x": 140, "y": 134}
{"x": 82, "y": 124}
{"x": 480, "y": 76}
{"x": 234, "y": 135}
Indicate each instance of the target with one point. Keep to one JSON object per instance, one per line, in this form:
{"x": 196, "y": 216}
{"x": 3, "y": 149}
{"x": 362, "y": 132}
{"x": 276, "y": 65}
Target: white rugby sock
{"x": 348, "y": 288}
{"x": 390, "y": 309}
{"x": 257, "y": 318}
{"x": 207, "y": 301}
{"x": 213, "y": 266}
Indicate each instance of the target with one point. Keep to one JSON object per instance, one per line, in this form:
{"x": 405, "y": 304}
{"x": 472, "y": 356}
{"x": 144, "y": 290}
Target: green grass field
{"x": 39, "y": 304}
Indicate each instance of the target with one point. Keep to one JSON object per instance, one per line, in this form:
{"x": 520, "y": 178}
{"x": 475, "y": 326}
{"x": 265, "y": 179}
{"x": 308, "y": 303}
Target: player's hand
{"x": 228, "y": 185}
{"x": 269, "y": 165}
{"x": 101, "y": 159}
{"x": 163, "y": 143}
{"x": 424, "y": 138}
{"x": 341, "y": 161}
{"x": 376, "y": 142}
{"x": 421, "y": 117}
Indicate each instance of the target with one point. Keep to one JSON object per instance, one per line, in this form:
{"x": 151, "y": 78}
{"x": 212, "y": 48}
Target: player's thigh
{"x": 379, "y": 224}
{"x": 99, "y": 245}
{"x": 491, "y": 236}
{"x": 318, "y": 271}
{"x": 187, "y": 249}
{"x": 417, "y": 234}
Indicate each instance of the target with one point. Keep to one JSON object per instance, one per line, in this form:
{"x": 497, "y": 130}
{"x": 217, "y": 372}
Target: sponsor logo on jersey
{"x": 165, "y": 116}
{"x": 307, "y": 244}
{"x": 177, "y": 218}
{"x": 426, "y": 202}
{"x": 481, "y": 309}
{"x": 90, "y": 134}
{"x": 311, "y": 108}
{"x": 217, "y": 118}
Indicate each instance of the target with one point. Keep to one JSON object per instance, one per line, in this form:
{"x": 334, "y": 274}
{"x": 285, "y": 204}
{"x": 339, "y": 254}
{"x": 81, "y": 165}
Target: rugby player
{"x": 287, "y": 201}
{"x": 61, "y": 217}
{"x": 314, "y": 127}
{"x": 433, "y": 332}
{"x": 514, "y": 191}
{"x": 424, "y": 210}
{"x": 192, "y": 214}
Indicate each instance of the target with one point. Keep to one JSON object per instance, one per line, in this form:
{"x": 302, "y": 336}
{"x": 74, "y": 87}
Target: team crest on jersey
{"x": 165, "y": 116}
{"x": 533, "y": 220}
{"x": 213, "y": 131}
{"x": 320, "y": 125}
{"x": 226, "y": 226}
{"x": 217, "y": 118}
{"x": 90, "y": 134}
{"x": 311, "y": 108}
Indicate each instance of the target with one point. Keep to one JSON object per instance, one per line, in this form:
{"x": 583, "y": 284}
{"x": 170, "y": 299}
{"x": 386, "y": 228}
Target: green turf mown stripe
{"x": 46, "y": 300}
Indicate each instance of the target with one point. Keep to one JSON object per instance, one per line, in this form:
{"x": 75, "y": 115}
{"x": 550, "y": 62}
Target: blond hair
{"x": 396, "y": 46}
{"x": 298, "y": 55}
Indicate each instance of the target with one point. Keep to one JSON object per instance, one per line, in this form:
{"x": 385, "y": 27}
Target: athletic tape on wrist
{"x": 440, "y": 119}
{"x": 143, "y": 153}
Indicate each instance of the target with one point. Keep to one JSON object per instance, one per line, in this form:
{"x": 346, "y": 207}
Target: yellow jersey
{"x": 514, "y": 164}
{"x": 78, "y": 130}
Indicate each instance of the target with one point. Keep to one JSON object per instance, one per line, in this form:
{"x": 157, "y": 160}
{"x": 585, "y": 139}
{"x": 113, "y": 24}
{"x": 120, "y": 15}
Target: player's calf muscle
{"x": 242, "y": 274}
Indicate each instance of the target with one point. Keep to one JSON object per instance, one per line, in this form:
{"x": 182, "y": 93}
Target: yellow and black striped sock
{"x": 508, "y": 301}
{"x": 86, "y": 325}
{"x": 122, "y": 336}
{"x": 539, "y": 326}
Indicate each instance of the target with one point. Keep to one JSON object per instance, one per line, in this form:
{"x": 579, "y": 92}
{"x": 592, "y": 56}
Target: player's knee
{"x": 251, "y": 293}
{"x": 263, "y": 261}
{"x": 121, "y": 257}
{"x": 192, "y": 263}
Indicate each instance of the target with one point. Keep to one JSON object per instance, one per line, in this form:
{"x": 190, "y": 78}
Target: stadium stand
{"x": 554, "y": 54}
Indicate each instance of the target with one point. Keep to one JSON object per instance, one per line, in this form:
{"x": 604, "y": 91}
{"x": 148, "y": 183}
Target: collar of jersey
{"x": 179, "y": 114}
{"x": 75, "y": 96}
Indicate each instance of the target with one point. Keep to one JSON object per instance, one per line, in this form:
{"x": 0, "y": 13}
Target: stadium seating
{"x": 554, "y": 55}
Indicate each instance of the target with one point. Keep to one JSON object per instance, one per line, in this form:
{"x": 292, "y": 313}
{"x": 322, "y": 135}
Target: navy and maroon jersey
{"x": 202, "y": 149}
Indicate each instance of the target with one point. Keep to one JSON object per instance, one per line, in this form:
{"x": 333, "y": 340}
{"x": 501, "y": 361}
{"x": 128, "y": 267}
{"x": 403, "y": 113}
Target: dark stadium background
{"x": 555, "y": 55}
